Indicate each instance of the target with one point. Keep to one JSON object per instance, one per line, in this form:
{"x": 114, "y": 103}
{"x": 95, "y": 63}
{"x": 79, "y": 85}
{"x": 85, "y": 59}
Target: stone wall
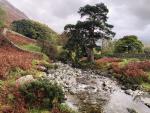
{"x": 3, "y": 37}
{"x": 127, "y": 55}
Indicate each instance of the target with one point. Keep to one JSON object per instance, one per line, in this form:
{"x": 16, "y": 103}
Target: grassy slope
{"x": 16, "y": 64}
{"x": 2, "y": 17}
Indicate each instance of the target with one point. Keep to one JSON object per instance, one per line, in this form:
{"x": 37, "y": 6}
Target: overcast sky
{"x": 127, "y": 16}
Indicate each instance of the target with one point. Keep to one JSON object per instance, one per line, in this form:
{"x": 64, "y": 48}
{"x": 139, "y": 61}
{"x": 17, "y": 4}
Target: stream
{"x": 88, "y": 92}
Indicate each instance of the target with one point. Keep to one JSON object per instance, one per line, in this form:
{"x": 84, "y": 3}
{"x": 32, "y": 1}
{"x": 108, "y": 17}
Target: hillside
{"x": 12, "y": 13}
{"x": 12, "y": 55}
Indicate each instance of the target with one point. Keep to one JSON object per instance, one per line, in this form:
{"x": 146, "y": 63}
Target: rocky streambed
{"x": 88, "y": 92}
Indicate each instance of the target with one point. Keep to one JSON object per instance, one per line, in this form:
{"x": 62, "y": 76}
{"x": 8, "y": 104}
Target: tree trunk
{"x": 90, "y": 54}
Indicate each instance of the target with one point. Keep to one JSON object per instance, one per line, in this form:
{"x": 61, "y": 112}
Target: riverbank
{"x": 86, "y": 91}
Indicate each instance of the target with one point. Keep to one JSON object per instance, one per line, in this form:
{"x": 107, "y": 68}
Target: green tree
{"x": 129, "y": 44}
{"x": 74, "y": 43}
{"x": 86, "y": 33}
{"x": 34, "y": 30}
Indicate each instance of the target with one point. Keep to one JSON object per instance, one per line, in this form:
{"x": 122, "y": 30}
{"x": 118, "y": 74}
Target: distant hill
{"x": 12, "y": 13}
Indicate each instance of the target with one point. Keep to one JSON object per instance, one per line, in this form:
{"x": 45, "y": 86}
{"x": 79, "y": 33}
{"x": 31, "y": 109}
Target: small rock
{"x": 104, "y": 84}
{"x": 65, "y": 97}
{"x": 24, "y": 80}
{"x": 147, "y": 104}
{"x": 123, "y": 88}
{"x": 72, "y": 92}
{"x": 146, "y": 100}
{"x": 89, "y": 88}
{"x": 131, "y": 110}
{"x": 41, "y": 68}
{"x": 129, "y": 92}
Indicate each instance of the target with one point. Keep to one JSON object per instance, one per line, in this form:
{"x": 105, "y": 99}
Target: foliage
{"x": 98, "y": 56}
{"x": 34, "y": 30}
{"x": 83, "y": 35}
{"x": 2, "y": 17}
{"x": 147, "y": 50}
{"x": 16, "y": 72}
{"x": 49, "y": 49}
{"x": 98, "y": 49}
{"x": 41, "y": 93}
{"x": 146, "y": 86}
{"x": 64, "y": 56}
{"x": 11, "y": 57}
{"x": 63, "y": 39}
{"x": 64, "y": 108}
{"x": 105, "y": 63}
{"x": 133, "y": 73}
{"x": 129, "y": 44}
{"x": 35, "y": 110}
{"x": 108, "y": 60}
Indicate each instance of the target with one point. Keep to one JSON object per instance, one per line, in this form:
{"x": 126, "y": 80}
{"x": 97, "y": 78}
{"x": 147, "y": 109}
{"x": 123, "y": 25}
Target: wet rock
{"x": 104, "y": 84}
{"x": 129, "y": 92}
{"x": 131, "y": 110}
{"x": 146, "y": 100}
{"x": 90, "y": 88}
{"x": 124, "y": 88}
{"x": 147, "y": 104}
{"x": 72, "y": 91}
{"x": 81, "y": 80}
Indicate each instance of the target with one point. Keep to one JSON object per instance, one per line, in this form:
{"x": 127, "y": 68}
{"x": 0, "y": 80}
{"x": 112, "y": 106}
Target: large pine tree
{"x": 93, "y": 28}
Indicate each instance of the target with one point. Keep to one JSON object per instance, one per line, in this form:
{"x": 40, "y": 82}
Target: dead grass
{"x": 11, "y": 57}
{"x": 19, "y": 40}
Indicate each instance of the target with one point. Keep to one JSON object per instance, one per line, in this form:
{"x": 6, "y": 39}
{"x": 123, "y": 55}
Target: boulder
{"x": 25, "y": 79}
{"x": 129, "y": 92}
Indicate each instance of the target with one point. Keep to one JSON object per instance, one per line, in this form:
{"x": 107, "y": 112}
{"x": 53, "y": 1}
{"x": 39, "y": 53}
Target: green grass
{"x": 32, "y": 47}
{"x": 35, "y": 48}
{"x": 66, "y": 109}
{"x": 128, "y": 60}
{"x": 146, "y": 86}
{"x": 38, "y": 111}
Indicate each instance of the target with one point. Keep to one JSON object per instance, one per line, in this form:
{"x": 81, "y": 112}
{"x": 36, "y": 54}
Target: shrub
{"x": 41, "y": 93}
{"x": 11, "y": 57}
{"x": 64, "y": 57}
{"x": 105, "y": 63}
{"x": 108, "y": 60}
{"x": 49, "y": 49}
{"x": 64, "y": 108}
{"x": 133, "y": 73}
{"x": 98, "y": 56}
{"x": 129, "y": 44}
{"x": 34, "y": 30}
{"x": 147, "y": 50}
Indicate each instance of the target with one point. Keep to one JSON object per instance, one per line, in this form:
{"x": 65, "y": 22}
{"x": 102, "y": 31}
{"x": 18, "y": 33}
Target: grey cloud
{"x": 128, "y": 16}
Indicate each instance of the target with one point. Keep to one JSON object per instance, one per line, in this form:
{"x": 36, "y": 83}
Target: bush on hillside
{"x": 64, "y": 108}
{"x": 64, "y": 57}
{"x": 34, "y": 30}
{"x": 41, "y": 93}
{"x": 132, "y": 74}
{"x": 49, "y": 49}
